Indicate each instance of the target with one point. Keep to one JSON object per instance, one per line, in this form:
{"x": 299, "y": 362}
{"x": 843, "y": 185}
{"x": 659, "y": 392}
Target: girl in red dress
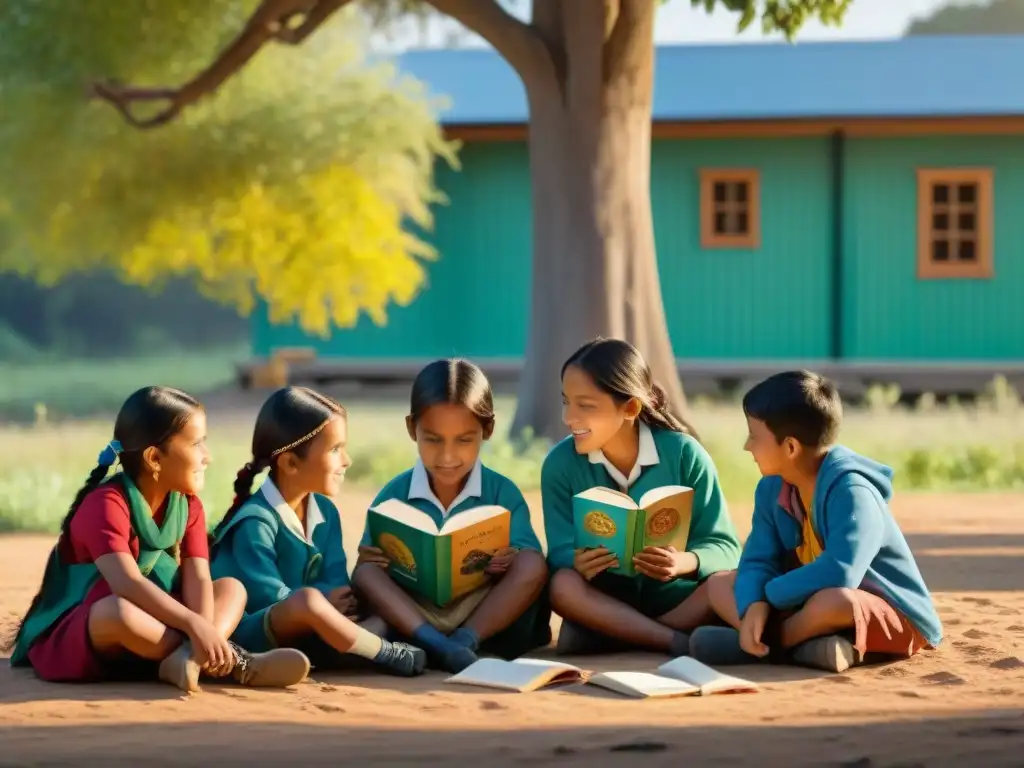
{"x": 127, "y": 591}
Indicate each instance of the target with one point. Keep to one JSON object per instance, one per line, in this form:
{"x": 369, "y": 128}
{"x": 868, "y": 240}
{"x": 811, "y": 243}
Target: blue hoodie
{"x": 863, "y": 545}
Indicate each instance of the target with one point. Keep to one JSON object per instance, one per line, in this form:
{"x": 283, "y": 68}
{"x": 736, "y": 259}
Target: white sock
{"x": 367, "y": 644}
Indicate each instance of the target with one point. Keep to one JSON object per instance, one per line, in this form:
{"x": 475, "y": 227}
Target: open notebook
{"x": 682, "y": 676}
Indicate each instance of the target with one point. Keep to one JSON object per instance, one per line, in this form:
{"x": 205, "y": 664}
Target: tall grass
{"x": 933, "y": 447}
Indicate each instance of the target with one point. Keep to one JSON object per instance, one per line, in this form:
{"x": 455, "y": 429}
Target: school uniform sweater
{"x": 863, "y": 546}
{"x": 267, "y": 548}
{"x": 665, "y": 458}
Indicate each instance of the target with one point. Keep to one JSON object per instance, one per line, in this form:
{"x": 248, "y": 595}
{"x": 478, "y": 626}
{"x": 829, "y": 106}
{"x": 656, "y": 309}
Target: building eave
{"x": 853, "y": 127}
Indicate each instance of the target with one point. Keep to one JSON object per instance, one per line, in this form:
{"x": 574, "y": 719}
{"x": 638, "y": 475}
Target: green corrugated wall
{"x": 772, "y": 303}
{"x": 889, "y": 313}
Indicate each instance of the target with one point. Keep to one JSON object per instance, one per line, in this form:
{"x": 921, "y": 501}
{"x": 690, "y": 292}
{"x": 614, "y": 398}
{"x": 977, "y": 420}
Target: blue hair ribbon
{"x": 108, "y": 456}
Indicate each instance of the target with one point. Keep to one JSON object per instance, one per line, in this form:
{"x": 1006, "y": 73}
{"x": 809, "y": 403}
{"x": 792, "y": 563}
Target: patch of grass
{"x": 55, "y": 389}
{"x": 931, "y": 447}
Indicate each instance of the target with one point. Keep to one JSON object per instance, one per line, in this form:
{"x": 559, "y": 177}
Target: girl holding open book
{"x": 451, "y": 415}
{"x": 284, "y": 542}
{"x": 624, "y": 438}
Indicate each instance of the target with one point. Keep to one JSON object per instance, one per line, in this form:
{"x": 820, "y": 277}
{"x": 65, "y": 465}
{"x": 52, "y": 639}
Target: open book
{"x": 520, "y": 675}
{"x": 683, "y": 676}
{"x": 439, "y": 564}
{"x": 607, "y": 518}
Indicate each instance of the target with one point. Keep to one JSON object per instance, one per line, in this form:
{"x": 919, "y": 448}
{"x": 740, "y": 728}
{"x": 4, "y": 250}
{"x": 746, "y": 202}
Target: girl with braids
{"x": 450, "y": 416}
{"x": 284, "y": 542}
{"x": 625, "y": 437}
{"x": 127, "y": 590}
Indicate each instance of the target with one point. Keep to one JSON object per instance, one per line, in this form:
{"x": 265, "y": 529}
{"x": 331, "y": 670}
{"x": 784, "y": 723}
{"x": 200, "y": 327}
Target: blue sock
{"x": 466, "y": 637}
{"x": 451, "y": 656}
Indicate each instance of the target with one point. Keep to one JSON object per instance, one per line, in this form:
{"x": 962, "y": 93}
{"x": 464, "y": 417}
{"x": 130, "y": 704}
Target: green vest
{"x": 65, "y": 585}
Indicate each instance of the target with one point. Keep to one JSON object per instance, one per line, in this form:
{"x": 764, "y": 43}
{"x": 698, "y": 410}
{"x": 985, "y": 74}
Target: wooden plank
{"x": 701, "y": 377}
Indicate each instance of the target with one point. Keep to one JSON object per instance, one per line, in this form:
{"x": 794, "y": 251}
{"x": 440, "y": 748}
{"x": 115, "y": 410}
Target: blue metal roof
{"x": 909, "y": 77}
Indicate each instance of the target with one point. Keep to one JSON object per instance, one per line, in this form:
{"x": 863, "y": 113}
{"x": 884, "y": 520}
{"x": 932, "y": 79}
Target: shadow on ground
{"x": 996, "y": 740}
{"x": 987, "y": 562}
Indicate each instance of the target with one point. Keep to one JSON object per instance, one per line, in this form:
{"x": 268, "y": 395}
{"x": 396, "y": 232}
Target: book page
{"x": 398, "y": 510}
{"x": 643, "y": 685}
{"x": 657, "y": 494}
{"x": 708, "y": 680}
{"x": 471, "y": 517}
{"x": 520, "y": 675}
{"x": 608, "y": 496}
{"x": 667, "y": 520}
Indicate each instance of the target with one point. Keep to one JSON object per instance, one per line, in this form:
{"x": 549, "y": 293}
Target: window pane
{"x": 940, "y": 222}
{"x": 967, "y": 251}
{"x": 720, "y": 192}
{"x": 967, "y": 193}
{"x": 721, "y": 223}
{"x": 965, "y": 222}
{"x": 742, "y": 223}
{"x": 940, "y": 193}
{"x": 940, "y": 250}
{"x": 741, "y": 192}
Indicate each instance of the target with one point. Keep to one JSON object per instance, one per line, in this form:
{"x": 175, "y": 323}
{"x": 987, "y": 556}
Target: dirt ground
{"x": 963, "y": 702}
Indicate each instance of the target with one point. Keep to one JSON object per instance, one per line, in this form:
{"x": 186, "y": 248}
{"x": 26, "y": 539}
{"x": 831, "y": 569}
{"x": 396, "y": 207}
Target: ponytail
{"x": 243, "y": 492}
{"x": 149, "y": 417}
{"x": 289, "y": 419}
{"x": 98, "y": 474}
{"x": 656, "y": 413}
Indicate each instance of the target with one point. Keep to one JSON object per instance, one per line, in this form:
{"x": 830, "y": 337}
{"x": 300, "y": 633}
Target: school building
{"x": 853, "y": 207}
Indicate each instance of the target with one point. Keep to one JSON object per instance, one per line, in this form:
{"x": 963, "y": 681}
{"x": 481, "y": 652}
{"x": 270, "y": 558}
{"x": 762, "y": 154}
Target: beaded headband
{"x": 303, "y": 439}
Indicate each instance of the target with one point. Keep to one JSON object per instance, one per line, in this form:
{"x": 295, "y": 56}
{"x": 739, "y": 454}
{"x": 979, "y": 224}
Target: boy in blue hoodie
{"x": 826, "y": 576}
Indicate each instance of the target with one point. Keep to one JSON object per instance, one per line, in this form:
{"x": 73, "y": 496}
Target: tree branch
{"x": 272, "y": 20}
{"x": 518, "y": 43}
{"x": 632, "y": 38}
{"x": 312, "y": 18}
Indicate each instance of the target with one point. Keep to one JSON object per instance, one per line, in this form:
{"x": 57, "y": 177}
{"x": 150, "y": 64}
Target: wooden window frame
{"x": 711, "y": 239}
{"x": 927, "y": 267}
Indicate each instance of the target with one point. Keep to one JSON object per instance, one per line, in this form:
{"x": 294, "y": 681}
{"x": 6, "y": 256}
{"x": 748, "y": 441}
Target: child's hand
{"x": 663, "y": 563}
{"x": 344, "y": 602}
{"x": 874, "y": 611}
{"x": 501, "y": 560}
{"x": 211, "y": 651}
{"x": 590, "y": 562}
{"x": 372, "y": 556}
{"x": 752, "y": 627}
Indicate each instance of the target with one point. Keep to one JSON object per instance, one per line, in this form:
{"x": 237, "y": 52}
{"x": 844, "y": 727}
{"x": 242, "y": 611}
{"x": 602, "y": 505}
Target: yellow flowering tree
{"x": 296, "y": 185}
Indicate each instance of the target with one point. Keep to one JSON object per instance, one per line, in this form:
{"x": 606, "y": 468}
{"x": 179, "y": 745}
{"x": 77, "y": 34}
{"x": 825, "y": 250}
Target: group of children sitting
{"x": 136, "y": 587}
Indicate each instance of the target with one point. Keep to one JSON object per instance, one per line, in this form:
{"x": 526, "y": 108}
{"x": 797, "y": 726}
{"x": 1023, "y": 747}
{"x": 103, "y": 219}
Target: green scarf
{"x": 66, "y": 585}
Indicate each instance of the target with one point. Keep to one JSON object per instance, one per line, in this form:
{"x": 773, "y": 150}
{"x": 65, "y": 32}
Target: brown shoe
{"x": 277, "y": 668}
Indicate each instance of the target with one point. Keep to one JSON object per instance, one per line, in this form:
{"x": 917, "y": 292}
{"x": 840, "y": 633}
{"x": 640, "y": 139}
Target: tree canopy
{"x": 996, "y": 17}
{"x": 295, "y": 185}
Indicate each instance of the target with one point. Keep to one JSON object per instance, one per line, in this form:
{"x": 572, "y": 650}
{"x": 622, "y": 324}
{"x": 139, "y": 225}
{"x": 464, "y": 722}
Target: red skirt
{"x": 65, "y": 653}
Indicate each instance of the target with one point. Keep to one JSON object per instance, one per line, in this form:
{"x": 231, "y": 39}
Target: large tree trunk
{"x": 595, "y": 270}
